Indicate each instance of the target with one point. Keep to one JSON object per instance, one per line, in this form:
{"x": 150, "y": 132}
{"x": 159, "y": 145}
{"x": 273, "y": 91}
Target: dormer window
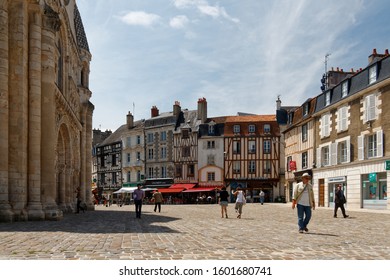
{"x": 290, "y": 118}
{"x": 306, "y": 109}
{"x": 327, "y": 98}
{"x": 372, "y": 74}
{"x": 211, "y": 128}
{"x": 267, "y": 128}
{"x": 344, "y": 89}
{"x": 236, "y": 128}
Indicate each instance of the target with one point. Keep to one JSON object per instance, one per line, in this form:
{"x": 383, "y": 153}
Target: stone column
{"x": 6, "y": 215}
{"x": 18, "y": 107}
{"x": 88, "y": 151}
{"x": 34, "y": 207}
{"x": 83, "y": 147}
{"x": 51, "y": 25}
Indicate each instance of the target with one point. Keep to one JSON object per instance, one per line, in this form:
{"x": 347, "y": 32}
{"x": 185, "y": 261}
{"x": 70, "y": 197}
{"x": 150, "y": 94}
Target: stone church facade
{"x": 45, "y": 110}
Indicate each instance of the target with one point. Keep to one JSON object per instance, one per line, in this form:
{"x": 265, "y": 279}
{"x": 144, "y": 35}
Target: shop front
{"x": 333, "y": 183}
{"x": 374, "y": 190}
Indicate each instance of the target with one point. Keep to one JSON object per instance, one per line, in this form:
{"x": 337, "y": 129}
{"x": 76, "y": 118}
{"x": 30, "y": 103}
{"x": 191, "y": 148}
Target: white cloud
{"x": 140, "y": 18}
{"x": 205, "y": 9}
{"x": 216, "y": 12}
{"x": 179, "y": 22}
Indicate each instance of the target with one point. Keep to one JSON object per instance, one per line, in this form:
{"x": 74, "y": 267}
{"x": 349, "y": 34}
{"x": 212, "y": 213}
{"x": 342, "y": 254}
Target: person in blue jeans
{"x": 303, "y": 199}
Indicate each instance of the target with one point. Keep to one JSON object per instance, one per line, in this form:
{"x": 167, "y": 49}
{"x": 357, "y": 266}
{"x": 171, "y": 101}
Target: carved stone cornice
{"x": 51, "y": 19}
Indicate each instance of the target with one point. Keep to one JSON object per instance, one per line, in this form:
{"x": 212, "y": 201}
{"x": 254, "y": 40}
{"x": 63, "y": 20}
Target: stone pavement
{"x": 197, "y": 232}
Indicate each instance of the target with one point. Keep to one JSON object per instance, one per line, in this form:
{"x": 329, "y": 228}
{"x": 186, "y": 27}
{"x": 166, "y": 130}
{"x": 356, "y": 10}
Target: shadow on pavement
{"x": 97, "y": 222}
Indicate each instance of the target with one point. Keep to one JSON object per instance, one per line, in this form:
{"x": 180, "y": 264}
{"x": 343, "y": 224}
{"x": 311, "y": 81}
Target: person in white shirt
{"x": 303, "y": 199}
{"x": 240, "y": 201}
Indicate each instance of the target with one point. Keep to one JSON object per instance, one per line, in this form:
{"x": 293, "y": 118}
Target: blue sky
{"x": 239, "y": 55}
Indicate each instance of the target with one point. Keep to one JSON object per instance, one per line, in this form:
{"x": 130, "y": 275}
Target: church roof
{"x": 81, "y": 37}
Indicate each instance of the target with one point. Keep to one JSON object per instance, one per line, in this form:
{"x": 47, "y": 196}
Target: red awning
{"x": 199, "y": 190}
{"x": 182, "y": 186}
{"x": 168, "y": 190}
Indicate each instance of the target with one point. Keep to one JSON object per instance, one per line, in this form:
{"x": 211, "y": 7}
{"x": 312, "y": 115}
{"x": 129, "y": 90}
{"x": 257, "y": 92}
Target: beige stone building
{"x": 45, "y": 112}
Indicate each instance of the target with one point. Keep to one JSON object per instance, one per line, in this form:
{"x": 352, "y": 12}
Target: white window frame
{"x": 236, "y": 166}
{"x": 128, "y": 141}
{"x": 267, "y": 146}
{"x": 267, "y": 128}
{"x": 325, "y": 125}
{"x": 267, "y": 167}
{"x": 150, "y": 138}
{"x": 163, "y": 152}
{"x": 150, "y": 153}
{"x": 342, "y": 150}
{"x": 372, "y": 74}
{"x": 252, "y": 166}
{"x": 305, "y": 160}
{"x": 363, "y": 146}
{"x": 210, "y": 159}
{"x": 342, "y": 119}
{"x": 327, "y": 98}
{"x": 163, "y": 136}
{"x": 252, "y": 146}
{"x": 163, "y": 172}
{"x": 305, "y": 132}
{"x": 236, "y": 128}
{"x": 370, "y": 107}
{"x": 128, "y": 156}
{"x": 344, "y": 89}
{"x": 210, "y": 176}
{"x": 252, "y": 128}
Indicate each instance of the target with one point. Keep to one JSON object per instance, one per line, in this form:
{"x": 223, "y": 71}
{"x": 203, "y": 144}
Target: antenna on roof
{"x": 324, "y": 80}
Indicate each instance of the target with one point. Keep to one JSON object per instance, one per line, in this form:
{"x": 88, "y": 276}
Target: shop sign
{"x": 387, "y": 165}
{"x": 336, "y": 179}
{"x": 372, "y": 177}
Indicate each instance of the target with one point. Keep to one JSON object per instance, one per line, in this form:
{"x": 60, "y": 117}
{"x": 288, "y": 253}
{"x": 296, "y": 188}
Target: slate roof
{"x": 81, "y": 37}
{"x": 356, "y": 83}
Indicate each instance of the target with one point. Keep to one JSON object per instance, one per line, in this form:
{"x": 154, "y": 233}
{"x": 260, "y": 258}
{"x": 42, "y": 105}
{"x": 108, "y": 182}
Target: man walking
{"x": 138, "y": 196}
{"x": 158, "y": 198}
{"x": 339, "y": 200}
{"x": 303, "y": 198}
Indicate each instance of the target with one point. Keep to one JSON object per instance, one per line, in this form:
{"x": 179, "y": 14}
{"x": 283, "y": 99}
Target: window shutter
{"x": 370, "y": 107}
{"x": 319, "y": 163}
{"x": 333, "y": 154}
{"x": 379, "y": 140}
{"x": 361, "y": 147}
{"x": 348, "y": 144}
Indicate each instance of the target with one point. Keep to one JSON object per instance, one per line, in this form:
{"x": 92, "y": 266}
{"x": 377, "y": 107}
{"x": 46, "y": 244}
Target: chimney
{"x": 374, "y": 55}
{"x": 278, "y": 103}
{"x": 154, "y": 112}
{"x": 130, "y": 120}
{"x": 176, "y": 109}
{"x": 202, "y": 110}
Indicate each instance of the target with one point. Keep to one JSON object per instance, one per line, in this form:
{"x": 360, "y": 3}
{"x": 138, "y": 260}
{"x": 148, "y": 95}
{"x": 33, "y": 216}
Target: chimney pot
{"x": 374, "y": 51}
{"x": 387, "y": 52}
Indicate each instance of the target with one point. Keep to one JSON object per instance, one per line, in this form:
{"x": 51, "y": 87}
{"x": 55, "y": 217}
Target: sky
{"x": 239, "y": 55}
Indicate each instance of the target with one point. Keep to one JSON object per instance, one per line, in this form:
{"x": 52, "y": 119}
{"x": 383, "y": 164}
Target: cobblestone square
{"x": 197, "y": 232}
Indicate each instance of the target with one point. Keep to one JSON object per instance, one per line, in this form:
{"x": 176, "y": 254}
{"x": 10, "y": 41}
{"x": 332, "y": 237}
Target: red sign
{"x": 293, "y": 165}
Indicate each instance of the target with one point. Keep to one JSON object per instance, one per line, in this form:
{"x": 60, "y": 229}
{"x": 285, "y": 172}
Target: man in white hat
{"x": 303, "y": 198}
